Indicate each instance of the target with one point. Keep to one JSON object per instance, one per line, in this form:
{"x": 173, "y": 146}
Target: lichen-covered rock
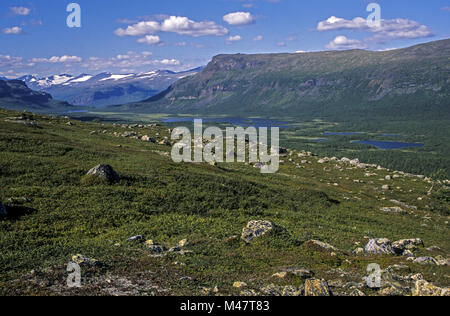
{"x": 138, "y": 238}
{"x": 379, "y": 246}
{"x": 393, "y": 209}
{"x": 425, "y": 261}
{"x": 82, "y": 260}
{"x": 407, "y": 244}
{"x": 291, "y": 290}
{"x": 154, "y": 247}
{"x": 392, "y": 291}
{"x": 256, "y": 229}
{"x": 105, "y": 173}
{"x": 441, "y": 261}
{"x": 316, "y": 287}
{"x": 3, "y": 210}
{"x": 424, "y": 288}
{"x": 239, "y": 284}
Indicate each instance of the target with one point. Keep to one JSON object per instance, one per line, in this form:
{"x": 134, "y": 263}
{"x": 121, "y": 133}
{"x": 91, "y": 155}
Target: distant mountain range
{"x": 15, "y": 95}
{"x": 105, "y": 88}
{"x": 338, "y": 84}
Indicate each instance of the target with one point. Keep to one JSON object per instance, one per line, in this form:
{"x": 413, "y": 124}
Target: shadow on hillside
{"x": 16, "y": 212}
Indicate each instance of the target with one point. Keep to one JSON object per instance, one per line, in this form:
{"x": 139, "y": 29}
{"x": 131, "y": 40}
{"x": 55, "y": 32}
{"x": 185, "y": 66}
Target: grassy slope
{"x": 167, "y": 202}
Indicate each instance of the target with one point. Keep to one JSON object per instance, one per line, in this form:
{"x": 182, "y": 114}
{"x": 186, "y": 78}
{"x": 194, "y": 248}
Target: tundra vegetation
{"x": 162, "y": 228}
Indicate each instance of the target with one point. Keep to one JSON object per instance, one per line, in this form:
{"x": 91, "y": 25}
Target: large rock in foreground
{"x": 3, "y": 210}
{"x": 379, "y": 246}
{"x": 315, "y": 287}
{"x": 104, "y": 173}
{"x": 424, "y": 288}
{"x": 256, "y": 229}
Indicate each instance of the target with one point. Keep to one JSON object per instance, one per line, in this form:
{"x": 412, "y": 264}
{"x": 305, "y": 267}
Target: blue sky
{"x": 140, "y": 35}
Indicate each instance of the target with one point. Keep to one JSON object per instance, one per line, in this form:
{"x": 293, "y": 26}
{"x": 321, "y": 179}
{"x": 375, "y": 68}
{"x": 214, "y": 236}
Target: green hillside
{"x": 412, "y": 83}
{"x": 55, "y": 211}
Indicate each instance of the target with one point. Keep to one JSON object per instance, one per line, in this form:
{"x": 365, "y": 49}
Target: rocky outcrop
{"x": 256, "y": 229}
{"x": 104, "y": 173}
{"x": 424, "y": 288}
{"x": 379, "y": 246}
{"x": 316, "y": 287}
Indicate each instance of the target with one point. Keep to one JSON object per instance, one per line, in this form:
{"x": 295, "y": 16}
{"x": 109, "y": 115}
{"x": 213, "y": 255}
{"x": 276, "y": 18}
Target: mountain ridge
{"x": 105, "y": 88}
{"x": 15, "y": 95}
{"x": 313, "y": 84}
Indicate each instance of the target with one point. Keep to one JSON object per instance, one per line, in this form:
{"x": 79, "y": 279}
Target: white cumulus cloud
{"x": 342, "y": 42}
{"x": 15, "y": 30}
{"x": 388, "y": 30}
{"x": 20, "y": 10}
{"x": 58, "y": 60}
{"x": 174, "y": 24}
{"x": 150, "y": 40}
{"x": 239, "y": 18}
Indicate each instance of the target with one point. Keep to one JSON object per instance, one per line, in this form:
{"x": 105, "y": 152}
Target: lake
{"x": 235, "y": 121}
{"x": 389, "y": 145}
{"x": 340, "y": 133}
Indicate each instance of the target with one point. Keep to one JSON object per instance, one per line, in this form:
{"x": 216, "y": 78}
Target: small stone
{"x": 393, "y": 209}
{"x": 425, "y": 261}
{"x": 239, "y": 284}
{"x": 183, "y": 243}
{"x": 316, "y": 287}
{"x": 392, "y": 291}
{"x": 358, "y": 251}
{"x": 138, "y": 238}
{"x": 386, "y": 187}
{"x": 357, "y": 292}
{"x": 322, "y": 244}
{"x": 85, "y": 261}
{"x": 280, "y": 275}
{"x": 156, "y": 248}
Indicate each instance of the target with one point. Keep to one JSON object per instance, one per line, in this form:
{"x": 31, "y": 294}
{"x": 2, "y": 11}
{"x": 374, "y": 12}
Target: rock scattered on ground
{"x": 393, "y": 209}
{"x": 82, "y": 260}
{"x": 379, "y": 246}
{"x": 105, "y": 173}
{"x": 239, "y": 284}
{"x": 323, "y": 245}
{"x": 256, "y": 229}
{"x": 425, "y": 261}
{"x": 424, "y": 288}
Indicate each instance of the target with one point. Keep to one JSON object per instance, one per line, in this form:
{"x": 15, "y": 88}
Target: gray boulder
{"x": 407, "y": 244}
{"x": 425, "y": 261}
{"x": 256, "y": 229}
{"x": 105, "y": 173}
{"x": 379, "y": 246}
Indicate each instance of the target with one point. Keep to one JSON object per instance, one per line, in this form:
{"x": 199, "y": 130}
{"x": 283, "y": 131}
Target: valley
{"x": 186, "y": 229}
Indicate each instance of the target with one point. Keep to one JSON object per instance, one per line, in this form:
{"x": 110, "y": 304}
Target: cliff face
{"x": 312, "y": 83}
{"x": 14, "y": 94}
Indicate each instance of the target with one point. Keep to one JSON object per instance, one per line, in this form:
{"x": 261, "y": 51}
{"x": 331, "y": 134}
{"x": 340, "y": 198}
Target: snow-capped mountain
{"x": 105, "y": 88}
